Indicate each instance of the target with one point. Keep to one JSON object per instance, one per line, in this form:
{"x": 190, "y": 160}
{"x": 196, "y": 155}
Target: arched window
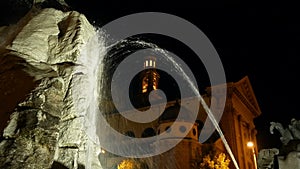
{"x": 168, "y": 129}
{"x": 194, "y": 132}
{"x": 148, "y": 132}
{"x": 129, "y": 133}
{"x": 182, "y": 129}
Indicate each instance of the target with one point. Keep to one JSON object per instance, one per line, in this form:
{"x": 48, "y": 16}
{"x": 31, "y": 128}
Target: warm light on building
{"x": 150, "y": 62}
{"x": 250, "y": 144}
{"x": 236, "y": 122}
{"x": 150, "y": 77}
{"x": 103, "y": 151}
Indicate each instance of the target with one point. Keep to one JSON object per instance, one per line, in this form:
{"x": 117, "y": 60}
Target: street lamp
{"x": 250, "y": 144}
{"x": 103, "y": 157}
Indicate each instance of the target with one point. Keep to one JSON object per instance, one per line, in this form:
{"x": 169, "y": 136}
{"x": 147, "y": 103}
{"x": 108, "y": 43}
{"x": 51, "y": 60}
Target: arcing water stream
{"x": 125, "y": 47}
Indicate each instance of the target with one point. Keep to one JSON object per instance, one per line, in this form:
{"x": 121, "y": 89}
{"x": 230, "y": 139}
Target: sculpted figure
{"x": 294, "y": 127}
{"x": 266, "y": 158}
{"x": 287, "y": 157}
{"x": 286, "y": 134}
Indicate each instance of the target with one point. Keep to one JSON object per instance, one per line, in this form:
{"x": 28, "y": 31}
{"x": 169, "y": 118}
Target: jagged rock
{"x": 68, "y": 157}
{"x": 11, "y": 129}
{"x": 71, "y": 133}
{"x": 53, "y": 37}
{"x": 50, "y": 125}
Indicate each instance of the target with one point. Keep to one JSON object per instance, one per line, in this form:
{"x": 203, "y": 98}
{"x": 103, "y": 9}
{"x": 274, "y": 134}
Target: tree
{"x": 218, "y": 162}
{"x": 132, "y": 164}
{"x": 210, "y": 159}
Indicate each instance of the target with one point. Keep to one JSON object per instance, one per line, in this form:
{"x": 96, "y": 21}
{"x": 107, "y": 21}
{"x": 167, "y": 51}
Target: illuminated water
{"x": 116, "y": 52}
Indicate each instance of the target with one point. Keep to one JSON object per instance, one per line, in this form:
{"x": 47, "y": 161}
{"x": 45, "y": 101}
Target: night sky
{"x": 254, "y": 39}
{"x": 258, "y": 40}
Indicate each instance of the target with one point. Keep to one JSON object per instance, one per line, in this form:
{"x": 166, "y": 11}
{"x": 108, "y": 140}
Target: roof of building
{"x": 172, "y": 113}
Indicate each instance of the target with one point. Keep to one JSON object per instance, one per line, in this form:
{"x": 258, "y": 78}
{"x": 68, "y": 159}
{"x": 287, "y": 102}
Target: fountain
{"x": 57, "y": 122}
{"x": 170, "y": 59}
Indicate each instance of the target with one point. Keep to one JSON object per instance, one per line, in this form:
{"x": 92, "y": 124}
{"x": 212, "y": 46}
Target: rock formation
{"x": 48, "y": 62}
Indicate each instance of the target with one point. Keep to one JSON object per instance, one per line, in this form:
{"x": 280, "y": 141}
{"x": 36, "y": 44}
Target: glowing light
{"x": 250, "y": 144}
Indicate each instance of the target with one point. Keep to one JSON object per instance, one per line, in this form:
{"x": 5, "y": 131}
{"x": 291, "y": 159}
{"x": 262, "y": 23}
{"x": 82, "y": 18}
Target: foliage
{"x": 128, "y": 164}
{"x": 132, "y": 164}
{"x": 219, "y": 162}
{"x": 211, "y": 159}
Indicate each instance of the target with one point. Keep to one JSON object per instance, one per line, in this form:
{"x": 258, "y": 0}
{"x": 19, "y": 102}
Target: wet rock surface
{"x": 41, "y": 60}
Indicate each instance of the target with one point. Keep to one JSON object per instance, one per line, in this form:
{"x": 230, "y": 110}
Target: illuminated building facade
{"x": 241, "y": 108}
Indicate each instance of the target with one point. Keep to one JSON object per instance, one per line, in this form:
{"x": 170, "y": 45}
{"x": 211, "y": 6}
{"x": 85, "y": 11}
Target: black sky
{"x": 254, "y": 39}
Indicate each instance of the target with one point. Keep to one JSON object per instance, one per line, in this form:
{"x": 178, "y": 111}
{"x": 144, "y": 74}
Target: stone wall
{"x": 48, "y": 71}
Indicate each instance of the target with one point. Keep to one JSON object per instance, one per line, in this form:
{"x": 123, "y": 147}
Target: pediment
{"x": 243, "y": 88}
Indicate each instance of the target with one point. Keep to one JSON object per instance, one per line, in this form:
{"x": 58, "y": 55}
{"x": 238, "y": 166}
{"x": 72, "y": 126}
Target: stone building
{"x": 236, "y": 123}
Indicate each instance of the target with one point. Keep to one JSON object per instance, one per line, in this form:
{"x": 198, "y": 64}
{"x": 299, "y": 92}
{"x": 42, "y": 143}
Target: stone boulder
{"x": 48, "y": 69}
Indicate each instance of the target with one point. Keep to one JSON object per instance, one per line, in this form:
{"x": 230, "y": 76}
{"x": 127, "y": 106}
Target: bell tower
{"x": 150, "y": 76}
{"x": 148, "y": 82}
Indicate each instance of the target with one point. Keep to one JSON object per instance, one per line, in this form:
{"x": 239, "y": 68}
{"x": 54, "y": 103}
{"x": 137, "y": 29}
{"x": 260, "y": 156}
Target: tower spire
{"x": 151, "y": 77}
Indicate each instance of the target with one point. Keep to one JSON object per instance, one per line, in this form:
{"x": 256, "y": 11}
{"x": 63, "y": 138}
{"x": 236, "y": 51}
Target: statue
{"x": 295, "y": 128}
{"x": 266, "y": 158}
{"x": 283, "y": 158}
{"x": 288, "y": 134}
